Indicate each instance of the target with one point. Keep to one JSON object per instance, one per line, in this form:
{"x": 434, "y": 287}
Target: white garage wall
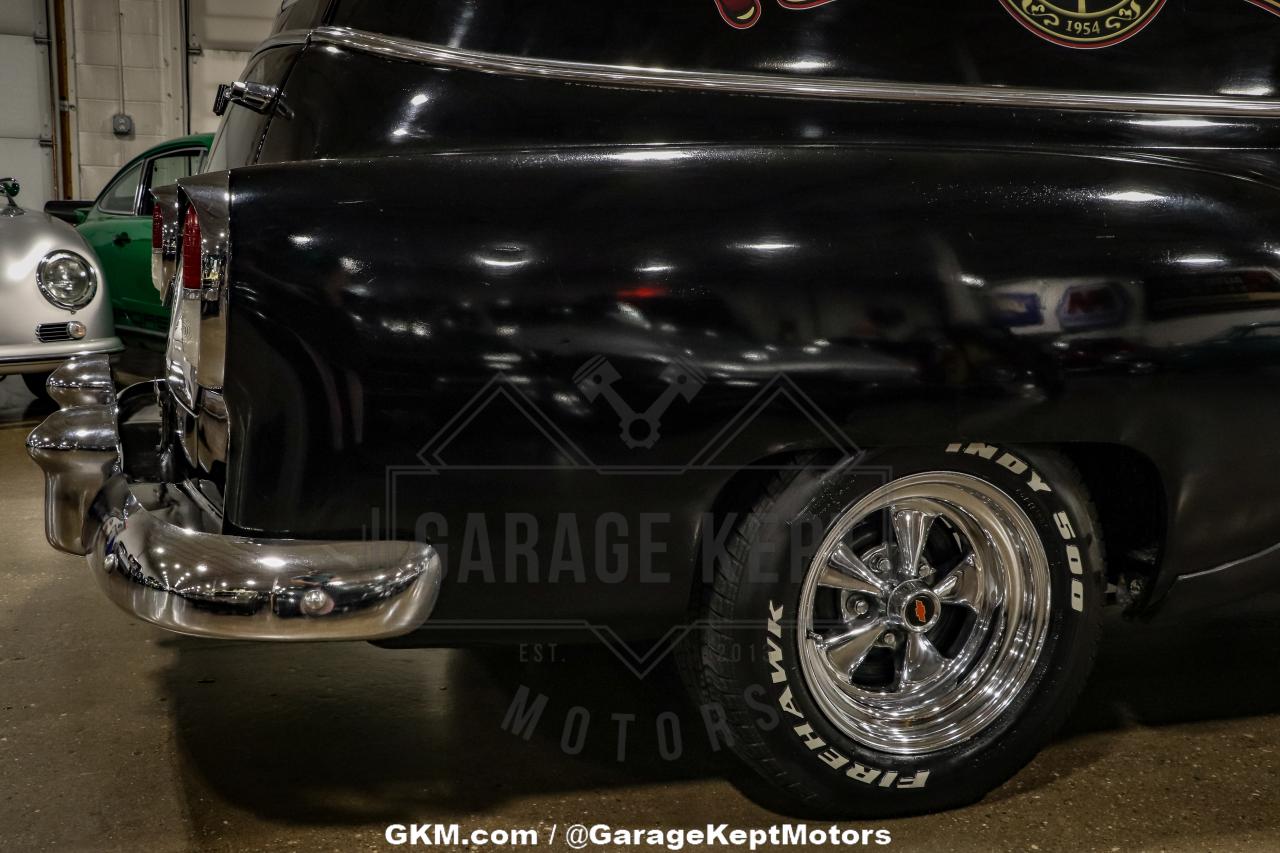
{"x": 26, "y": 110}
{"x": 222, "y": 35}
{"x": 150, "y": 31}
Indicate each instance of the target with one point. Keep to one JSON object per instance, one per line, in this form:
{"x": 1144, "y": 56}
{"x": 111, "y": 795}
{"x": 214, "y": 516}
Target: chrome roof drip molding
{"x": 284, "y": 38}
{"x": 789, "y": 86}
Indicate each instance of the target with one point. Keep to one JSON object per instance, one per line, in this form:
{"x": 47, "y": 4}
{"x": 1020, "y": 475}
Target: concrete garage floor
{"x": 118, "y": 736}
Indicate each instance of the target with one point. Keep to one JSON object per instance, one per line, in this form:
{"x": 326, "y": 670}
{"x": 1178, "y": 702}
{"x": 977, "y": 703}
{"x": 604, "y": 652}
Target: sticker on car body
{"x": 1070, "y": 23}
{"x": 1084, "y": 23}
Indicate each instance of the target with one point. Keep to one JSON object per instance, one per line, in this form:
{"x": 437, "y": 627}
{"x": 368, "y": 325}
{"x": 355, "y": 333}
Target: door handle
{"x": 122, "y": 239}
{"x": 258, "y": 97}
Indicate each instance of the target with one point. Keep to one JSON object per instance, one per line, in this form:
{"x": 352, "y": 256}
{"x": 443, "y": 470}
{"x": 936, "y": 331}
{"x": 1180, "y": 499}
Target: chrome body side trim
{"x": 284, "y": 38}
{"x": 1195, "y": 592}
{"x": 790, "y": 86}
{"x": 157, "y": 549}
{"x": 1264, "y": 554}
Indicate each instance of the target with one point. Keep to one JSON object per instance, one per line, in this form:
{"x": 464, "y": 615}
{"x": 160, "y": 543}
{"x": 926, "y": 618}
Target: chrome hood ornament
{"x": 10, "y": 188}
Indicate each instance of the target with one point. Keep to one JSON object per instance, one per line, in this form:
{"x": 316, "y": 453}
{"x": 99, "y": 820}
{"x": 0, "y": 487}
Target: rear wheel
{"x": 37, "y": 384}
{"x": 922, "y": 644}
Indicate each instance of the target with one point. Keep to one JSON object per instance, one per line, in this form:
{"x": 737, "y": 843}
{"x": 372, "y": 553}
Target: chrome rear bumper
{"x": 157, "y": 552}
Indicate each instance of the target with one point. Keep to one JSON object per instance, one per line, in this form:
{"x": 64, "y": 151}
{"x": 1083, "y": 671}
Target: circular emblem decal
{"x": 1084, "y": 23}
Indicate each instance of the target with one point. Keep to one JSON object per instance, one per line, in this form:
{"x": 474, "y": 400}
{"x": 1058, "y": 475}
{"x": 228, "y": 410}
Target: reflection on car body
{"x": 865, "y": 350}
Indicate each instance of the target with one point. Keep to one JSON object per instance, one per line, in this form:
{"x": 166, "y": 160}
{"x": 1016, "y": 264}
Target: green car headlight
{"x": 66, "y": 280}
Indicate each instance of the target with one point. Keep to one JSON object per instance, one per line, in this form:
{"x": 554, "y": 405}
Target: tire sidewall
{"x": 825, "y": 762}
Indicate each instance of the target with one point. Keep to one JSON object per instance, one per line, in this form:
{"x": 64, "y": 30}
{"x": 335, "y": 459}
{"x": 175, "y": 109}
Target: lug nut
{"x": 891, "y": 639}
{"x": 858, "y": 606}
{"x": 883, "y": 565}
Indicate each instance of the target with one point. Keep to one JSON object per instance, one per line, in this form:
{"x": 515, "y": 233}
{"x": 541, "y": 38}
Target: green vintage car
{"x": 118, "y": 227}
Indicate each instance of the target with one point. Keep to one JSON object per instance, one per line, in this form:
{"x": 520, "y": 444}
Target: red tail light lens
{"x": 191, "y": 250}
{"x": 157, "y": 228}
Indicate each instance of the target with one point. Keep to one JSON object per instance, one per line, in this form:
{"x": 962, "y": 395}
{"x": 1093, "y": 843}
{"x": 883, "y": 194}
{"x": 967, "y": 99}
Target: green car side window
{"x": 169, "y": 169}
{"x": 122, "y": 196}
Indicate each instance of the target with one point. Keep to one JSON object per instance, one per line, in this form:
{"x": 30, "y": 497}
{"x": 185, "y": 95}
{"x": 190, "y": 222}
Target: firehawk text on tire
{"x": 927, "y": 646}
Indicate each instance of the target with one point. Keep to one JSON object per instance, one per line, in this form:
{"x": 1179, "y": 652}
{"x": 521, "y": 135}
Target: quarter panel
{"x": 913, "y": 296}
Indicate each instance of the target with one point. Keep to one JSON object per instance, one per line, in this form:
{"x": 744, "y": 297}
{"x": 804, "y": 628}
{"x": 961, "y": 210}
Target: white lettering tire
{"x": 904, "y": 635}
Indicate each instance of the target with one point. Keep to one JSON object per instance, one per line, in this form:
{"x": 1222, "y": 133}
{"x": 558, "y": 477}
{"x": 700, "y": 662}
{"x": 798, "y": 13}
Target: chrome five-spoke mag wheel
{"x": 924, "y": 645}
{"x": 924, "y": 612}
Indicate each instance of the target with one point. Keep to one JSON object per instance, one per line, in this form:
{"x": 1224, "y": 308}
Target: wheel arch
{"x": 1130, "y": 496}
{"x": 1124, "y": 484}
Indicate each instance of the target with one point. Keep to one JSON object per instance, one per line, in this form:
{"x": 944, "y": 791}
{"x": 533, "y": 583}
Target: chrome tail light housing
{"x": 166, "y": 233}
{"x": 197, "y": 332}
{"x": 196, "y": 352}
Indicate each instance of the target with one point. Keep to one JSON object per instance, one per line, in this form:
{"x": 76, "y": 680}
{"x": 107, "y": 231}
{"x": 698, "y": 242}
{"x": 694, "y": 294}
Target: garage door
{"x": 26, "y": 131}
{"x": 222, "y": 34}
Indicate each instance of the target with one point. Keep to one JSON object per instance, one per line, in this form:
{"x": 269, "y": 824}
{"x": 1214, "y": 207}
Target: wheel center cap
{"x": 916, "y": 606}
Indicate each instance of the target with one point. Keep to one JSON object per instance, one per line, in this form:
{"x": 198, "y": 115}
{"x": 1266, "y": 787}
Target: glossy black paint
{"x": 383, "y": 107}
{"x": 1192, "y": 46}
{"x": 920, "y": 273}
